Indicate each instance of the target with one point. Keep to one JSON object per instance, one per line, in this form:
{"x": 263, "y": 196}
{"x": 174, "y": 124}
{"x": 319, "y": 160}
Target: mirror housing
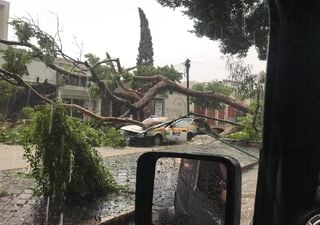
{"x": 145, "y": 184}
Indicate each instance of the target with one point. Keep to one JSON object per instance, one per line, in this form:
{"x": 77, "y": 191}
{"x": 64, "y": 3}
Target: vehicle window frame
{"x": 184, "y": 120}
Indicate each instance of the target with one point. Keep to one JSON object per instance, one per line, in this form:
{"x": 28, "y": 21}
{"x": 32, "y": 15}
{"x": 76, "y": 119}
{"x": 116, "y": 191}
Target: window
{"x": 183, "y": 123}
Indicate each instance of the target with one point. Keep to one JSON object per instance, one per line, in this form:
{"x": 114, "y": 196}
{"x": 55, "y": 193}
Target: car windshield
{"x": 87, "y": 87}
{"x": 183, "y": 123}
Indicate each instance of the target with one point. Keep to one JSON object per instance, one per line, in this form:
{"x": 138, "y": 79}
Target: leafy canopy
{"x": 217, "y": 86}
{"x": 28, "y": 32}
{"x": 236, "y": 24}
{"x": 245, "y": 84}
{"x": 16, "y": 60}
{"x": 105, "y": 72}
{"x": 167, "y": 71}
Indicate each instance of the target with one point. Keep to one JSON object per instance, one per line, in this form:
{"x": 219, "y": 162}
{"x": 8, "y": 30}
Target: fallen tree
{"x": 49, "y": 50}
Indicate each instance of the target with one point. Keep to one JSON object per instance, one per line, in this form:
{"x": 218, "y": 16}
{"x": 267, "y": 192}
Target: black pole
{"x": 187, "y": 65}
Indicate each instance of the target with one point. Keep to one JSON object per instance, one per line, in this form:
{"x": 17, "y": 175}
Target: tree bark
{"x": 18, "y": 81}
{"x": 167, "y": 84}
{"x": 106, "y": 106}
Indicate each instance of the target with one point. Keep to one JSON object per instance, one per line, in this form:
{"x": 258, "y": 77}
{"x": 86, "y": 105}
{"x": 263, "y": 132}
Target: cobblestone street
{"x": 19, "y": 207}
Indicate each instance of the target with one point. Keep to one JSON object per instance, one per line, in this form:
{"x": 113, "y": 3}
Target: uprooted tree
{"x": 134, "y": 91}
{"x": 113, "y": 83}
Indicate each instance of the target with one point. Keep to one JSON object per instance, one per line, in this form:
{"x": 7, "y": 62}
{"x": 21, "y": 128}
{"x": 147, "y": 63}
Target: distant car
{"x": 181, "y": 129}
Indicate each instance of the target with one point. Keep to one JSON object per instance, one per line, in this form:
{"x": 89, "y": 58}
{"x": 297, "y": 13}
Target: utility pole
{"x": 187, "y": 65}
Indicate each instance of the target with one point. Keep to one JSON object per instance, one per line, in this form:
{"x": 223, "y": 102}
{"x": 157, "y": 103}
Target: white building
{"x": 69, "y": 89}
{"x": 174, "y": 104}
{"x": 4, "y": 19}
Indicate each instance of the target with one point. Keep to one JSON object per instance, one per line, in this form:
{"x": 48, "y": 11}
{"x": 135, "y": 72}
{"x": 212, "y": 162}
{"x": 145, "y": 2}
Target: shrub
{"x": 12, "y": 135}
{"x": 3, "y": 193}
{"x": 98, "y": 134}
{"x": 239, "y": 136}
{"x": 248, "y": 132}
{"x": 102, "y": 135}
{"x": 112, "y": 138}
{"x": 62, "y": 161}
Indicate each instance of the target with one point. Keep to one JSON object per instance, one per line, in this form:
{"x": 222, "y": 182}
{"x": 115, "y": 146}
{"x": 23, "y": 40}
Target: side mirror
{"x": 187, "y": 189}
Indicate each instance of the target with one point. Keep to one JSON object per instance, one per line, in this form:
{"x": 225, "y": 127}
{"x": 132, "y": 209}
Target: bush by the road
{"x": 12, "y": 134}
{"x": 64, "y": 164}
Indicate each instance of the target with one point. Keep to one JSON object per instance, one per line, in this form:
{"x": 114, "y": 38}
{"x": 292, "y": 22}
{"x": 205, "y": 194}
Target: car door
{"x": 178, "y": 131}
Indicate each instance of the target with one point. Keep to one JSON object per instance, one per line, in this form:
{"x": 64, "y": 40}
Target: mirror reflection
{"x": 189, "y": 192}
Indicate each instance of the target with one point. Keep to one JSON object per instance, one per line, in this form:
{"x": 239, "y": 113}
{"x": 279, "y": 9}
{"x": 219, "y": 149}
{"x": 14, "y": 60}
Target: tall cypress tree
{"x": 145, "y": 54}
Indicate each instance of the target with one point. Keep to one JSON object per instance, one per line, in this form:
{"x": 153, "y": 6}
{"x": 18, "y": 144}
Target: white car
{"x": 177, "y": 130}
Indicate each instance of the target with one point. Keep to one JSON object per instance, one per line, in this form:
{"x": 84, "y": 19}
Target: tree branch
{"x": 21, "y": 82}
{"x": 127, "y": 89}
{"x": 103, "y": 87}
{"x": 169, "y": 84}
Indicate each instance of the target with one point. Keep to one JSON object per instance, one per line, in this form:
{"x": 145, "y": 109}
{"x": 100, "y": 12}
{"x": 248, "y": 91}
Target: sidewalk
{"x": 11, "y": 156}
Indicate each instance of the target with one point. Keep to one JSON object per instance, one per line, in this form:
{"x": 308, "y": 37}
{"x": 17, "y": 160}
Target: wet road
{"x": 19, "y": 207}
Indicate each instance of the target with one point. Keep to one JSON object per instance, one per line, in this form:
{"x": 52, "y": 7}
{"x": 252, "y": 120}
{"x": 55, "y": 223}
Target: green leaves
{"x": 145, "y": 54}
{"x": 62, "y": 161}
{"x": 237, "y": 25}
{"x": 23, "y": 30}
{"x": 216, "y": 86}
{"x": 27, "y": 33}
{"x": 251, "y": 125}
{"x": 245, "y": 84}
{"x": 166, "y": 71}
{"x": 16, "y": 60}
{"x": 105, "y": 72}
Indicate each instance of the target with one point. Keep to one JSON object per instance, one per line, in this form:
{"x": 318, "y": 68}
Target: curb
{"x": 122, "y": 218}
{"x": 249, "y": 166}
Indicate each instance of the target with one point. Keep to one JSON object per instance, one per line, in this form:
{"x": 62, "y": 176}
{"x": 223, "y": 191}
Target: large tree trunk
{"x": 290, "y": 160}
{"x": 106, "y": 106}
{"x": 164, "y": 83}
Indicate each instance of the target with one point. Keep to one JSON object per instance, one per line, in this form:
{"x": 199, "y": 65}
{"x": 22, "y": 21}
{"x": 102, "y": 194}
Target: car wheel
{"x": 157, "y": 140}
{"x": 189, "y": 136}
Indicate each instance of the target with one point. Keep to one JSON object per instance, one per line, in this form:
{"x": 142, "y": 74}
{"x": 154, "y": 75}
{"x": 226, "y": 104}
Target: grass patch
{"x": 3, "y": 193}
{"x": 24, "y": 174}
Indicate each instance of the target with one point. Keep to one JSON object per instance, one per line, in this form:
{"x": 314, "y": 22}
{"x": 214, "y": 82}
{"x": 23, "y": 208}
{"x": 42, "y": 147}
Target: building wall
{"x": 4, "y": 19}
{"x": 72, "y": 94}
{"x": 228, "y": 113}
{"x": 175, "y": 105}
{"x": 38, "y": 69}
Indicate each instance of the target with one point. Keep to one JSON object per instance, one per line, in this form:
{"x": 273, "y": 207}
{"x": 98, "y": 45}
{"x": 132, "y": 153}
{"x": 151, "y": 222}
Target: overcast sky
{"x": 114, "y": 27}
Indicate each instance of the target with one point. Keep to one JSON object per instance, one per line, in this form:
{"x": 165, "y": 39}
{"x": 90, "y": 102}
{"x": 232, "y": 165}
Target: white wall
{"x": 175, "y": 105}
{"x": 39, "y": 69}
{"x": 4, "y": 19}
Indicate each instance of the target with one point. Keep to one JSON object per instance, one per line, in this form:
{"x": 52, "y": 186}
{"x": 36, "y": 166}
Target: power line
{"x": 180, "y": 64}
{"x": 210, "y": 65}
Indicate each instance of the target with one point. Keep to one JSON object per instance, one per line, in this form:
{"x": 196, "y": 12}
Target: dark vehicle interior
{"x": 288, "y": 190}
